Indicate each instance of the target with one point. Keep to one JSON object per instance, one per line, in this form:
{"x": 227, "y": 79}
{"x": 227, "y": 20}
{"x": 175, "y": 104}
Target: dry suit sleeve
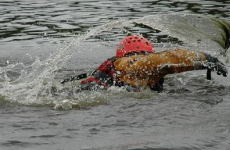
{"x": 148, "y": 69}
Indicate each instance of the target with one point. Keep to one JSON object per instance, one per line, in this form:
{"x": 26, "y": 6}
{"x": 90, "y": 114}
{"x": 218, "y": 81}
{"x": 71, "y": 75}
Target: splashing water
{"x": 27, "y": 88}
{"x": 34, "y": 85}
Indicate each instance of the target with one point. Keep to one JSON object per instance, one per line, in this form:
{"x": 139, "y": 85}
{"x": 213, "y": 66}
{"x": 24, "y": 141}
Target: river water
{"x": 43, "y": 42}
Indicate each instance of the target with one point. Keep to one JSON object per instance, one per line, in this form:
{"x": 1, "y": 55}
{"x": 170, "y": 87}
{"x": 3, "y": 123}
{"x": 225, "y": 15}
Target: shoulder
{"x": 127, "y": 61}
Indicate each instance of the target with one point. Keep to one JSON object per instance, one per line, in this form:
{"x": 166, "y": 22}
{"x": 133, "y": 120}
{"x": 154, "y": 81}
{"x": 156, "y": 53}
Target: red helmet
{"x": 134, "y": 43}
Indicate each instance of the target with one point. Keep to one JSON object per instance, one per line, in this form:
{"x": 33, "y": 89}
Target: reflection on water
{"x": 25, "y": 20}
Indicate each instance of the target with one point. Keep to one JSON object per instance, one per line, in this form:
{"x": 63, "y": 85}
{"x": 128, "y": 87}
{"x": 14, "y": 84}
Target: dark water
{"x": 191, "y": 114}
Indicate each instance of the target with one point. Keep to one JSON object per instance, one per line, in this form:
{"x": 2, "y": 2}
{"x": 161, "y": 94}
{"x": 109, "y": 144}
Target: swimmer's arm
{"x": 150, "y": 69}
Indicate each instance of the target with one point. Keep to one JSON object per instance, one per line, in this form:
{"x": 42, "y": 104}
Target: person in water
{"x": 137, "y": 65}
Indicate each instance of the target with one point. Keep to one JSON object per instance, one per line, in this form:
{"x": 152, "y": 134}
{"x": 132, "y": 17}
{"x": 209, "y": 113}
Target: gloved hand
{"x": 219, "y": 67}
{"x": 213, "y": 64}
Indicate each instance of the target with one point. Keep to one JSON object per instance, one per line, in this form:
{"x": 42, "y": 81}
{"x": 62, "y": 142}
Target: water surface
{"x": 191, "y": 114}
